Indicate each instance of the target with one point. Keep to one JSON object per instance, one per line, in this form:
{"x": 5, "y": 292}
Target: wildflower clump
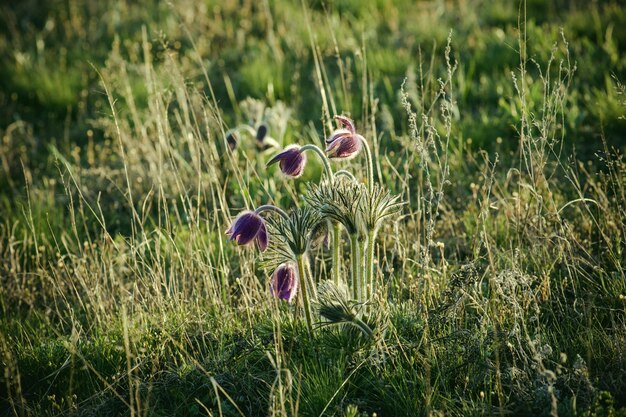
{"x": 339, "y": 202}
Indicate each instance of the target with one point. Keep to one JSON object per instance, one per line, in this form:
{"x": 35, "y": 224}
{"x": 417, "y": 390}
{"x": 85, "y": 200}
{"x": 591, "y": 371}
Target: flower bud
{"x": 261, "y": 132}
{"x": 291, "y": 161}
{"x": 248, "y": 227}
{"x": 285, "y": 282}
{"x": 231, "y": 140}
{"x": 344, "y": 143}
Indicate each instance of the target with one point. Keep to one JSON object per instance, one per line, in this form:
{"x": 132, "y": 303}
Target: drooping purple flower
{"x": 231, "y": 140}
{"x": 248, "y": 227}
{"x": 261, "y": 132}
{"x": 285, "y": 282}
{"x": 346, "y": 123}
{"x": 291, "y": 161}
{"x": 344, "y": 143}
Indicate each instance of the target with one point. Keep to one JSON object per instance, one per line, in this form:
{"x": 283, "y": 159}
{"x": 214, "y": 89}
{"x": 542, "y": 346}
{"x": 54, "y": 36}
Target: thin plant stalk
{"x": 369, "y": 265}
{"x": 238, "y": 128}
{"x": 304, "y": 291}
{"x": 370, "y": 164}
{"x": 311, "y": 280}
{"x": 269, "y": 207}
{"x": 345, "y": 174}
{"x": 336, "y": 252}
{"x": 363, "y": 327}
{"x": 336, "y": 237}
{"x": 356, "y": 266}
{"x": 322, "y": 156}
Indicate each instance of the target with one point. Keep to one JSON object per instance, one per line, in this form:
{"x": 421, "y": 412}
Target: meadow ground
{"x": 500, "y": 283}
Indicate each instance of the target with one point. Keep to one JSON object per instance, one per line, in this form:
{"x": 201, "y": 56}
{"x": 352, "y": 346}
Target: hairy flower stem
{"x": 236, "y": 129}
{"x": 269, "y": 207}
{"x": 304, "y": 291}
{"x": 336, "y": 252}
{"x": 363, "y": 326}
{"x": 336, "y": 237}
{"x": 311, "y": 280}
{"x": 356, "y": 266}
{"x": 369, "y": 265}
{"x": 322, "y": 156}
{"x": 345, "y": 174}
{"x": 370, "y": 164}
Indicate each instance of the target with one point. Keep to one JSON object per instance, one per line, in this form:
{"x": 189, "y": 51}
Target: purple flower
{"x": 344, "y": 143}
{"x": 291, "y": 161}
{"x": 231, "y": 140}
{"x": 346, "y": 123}
{"x": 246, "y": 227}
{"x": 261, "y": 132}
{"x": 285, "y": 282}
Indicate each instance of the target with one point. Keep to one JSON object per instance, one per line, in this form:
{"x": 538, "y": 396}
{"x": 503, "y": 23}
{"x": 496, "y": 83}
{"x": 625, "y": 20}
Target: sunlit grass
{"x": 502, "y": 278}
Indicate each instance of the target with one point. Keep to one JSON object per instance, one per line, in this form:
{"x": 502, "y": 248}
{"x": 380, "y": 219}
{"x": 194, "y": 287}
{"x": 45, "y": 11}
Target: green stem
{"x": 237, "y": 129}
{"x": 311, "y": 280}
{"x": 356, "y": 266}
{"x": 336, "y": 272}
{"x": 269, "y": 207}
{"x": 370, "y": 164}
{"x": 363, "y": 268}
{"x": 345, "y": 174}
{"x": 322, "y": 156}
{"x": 304, "y": 291}
{"x": 363, "y": 326}
{"x": 336, "y": 252}
{"x": 369, "y": 264}
{"x": 247, "y": 128}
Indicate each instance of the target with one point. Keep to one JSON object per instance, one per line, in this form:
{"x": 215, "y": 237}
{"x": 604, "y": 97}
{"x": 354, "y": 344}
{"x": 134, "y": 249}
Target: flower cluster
{"x": 338, "y": 202}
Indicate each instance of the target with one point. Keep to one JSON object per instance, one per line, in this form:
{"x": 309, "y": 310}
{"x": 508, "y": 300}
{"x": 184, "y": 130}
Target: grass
{"x": 501, "y": 124}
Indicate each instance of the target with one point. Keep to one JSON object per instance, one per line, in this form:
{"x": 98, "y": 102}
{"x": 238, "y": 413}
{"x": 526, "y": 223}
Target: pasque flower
{"x": 344, "y": 143}
{"x": 248, "y": 227}
{"x": 231, "y": 139}
{"x": 285, "y": 282}
{"x": 261, "y": 132}
{"x": 291, "y": 161}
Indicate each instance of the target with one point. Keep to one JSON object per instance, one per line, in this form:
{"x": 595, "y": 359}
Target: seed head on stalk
{"x": 338, "y": 200}
{"x": 291, "y": 236}
{"x": 378, "y": 204}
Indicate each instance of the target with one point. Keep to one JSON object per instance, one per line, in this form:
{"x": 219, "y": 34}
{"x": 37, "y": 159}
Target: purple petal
{"x": 278, "y": 157}
{"x": 261, "y": 238}
{"x": 289, "y": 152}
{"x": 346, "y": 122}
{"x": 261, "y": 132}
{"x": 348, "y": 148}
{"x": 245, "y": 227}
{"x": 232, "y": 140}
{"x": 293, "y": 166}
{"x": 285, "y": 282}
{"x": 345, "y": 148}
{"x": 336, "y": 135}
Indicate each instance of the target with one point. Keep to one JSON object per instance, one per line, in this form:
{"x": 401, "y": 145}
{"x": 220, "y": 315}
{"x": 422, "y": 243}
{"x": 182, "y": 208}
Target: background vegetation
{"x": 500, "y": 123}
